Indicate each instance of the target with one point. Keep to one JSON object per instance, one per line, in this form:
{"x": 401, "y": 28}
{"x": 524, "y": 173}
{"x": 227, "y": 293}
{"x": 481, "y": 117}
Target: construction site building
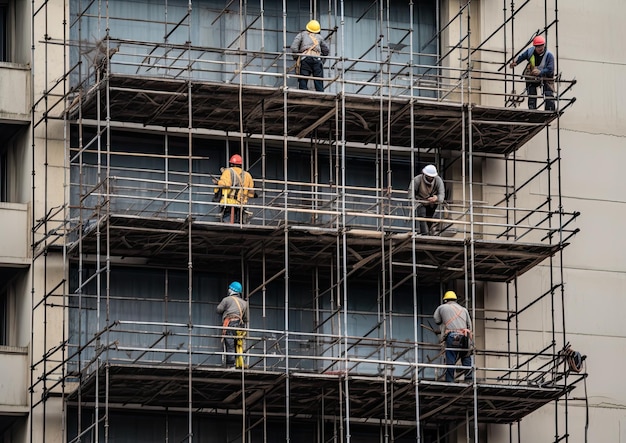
{"x": 116, "y": 120}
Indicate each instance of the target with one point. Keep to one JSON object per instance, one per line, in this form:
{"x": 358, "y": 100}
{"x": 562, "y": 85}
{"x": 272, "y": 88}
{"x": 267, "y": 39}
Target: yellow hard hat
{"x": 313, "y": 26}
{"x": 450, "y": 295}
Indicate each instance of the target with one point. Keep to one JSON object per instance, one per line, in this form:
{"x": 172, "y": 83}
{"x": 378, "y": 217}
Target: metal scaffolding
{"x": 393, "y": 107}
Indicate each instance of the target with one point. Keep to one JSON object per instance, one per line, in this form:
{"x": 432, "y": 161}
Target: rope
{"x": 574, "y": 359}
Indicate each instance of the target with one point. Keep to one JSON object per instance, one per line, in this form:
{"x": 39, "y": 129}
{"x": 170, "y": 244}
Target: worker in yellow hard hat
{"x": 455, "y": 327}
{"x": 307, "y": 47}
{"x": 538, "y": 72}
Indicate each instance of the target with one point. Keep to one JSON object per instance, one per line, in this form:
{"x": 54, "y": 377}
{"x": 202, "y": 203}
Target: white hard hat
{"x": 430, "y": 171}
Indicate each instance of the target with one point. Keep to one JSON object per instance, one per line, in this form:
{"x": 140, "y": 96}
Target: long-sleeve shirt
{"x": 309, "y": 43}
{"x": 451, "y": 316}
{"x": 233, "y": 306}
{"x": 423, "y": 192}
{"x": 545, "y": 65}
{"x": 236, "y": 186}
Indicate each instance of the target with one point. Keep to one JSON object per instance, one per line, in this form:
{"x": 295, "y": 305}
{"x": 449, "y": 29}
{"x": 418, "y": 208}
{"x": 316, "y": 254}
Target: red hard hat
{"x": 235, "y": 159}
{"x": 539, "y": 40}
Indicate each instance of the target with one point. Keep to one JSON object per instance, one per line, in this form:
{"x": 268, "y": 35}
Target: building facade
{"x": 117, "y": 120}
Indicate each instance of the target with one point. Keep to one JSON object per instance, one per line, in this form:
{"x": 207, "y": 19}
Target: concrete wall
{"x": 14, "y": 234}
{"x": 592, "y": 133}
{"x": 22, "y": 41}
{"x": 14, "y": 383}
{"x": 591, "y": 140}
{"x": 14, "y": 92}
{"x": 454, "y": 17}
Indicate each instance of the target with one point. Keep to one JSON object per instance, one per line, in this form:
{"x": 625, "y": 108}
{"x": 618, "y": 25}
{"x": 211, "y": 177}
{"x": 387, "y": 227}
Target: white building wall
{"x": 592, "y": 135}
{"x": 592, "y": 141}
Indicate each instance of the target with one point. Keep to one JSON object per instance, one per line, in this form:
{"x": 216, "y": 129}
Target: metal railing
{"x": 394, "y": 76}
{"x": 175, "y": 345}
{"x": 311, "y": 204}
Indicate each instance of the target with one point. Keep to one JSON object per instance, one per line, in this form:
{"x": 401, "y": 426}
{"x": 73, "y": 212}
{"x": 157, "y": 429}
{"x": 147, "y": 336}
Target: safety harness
{"x": 227, "y": 320}
{"x": 313, "y": 50}
{"x": 457, "y": 313}
{"x": 239, "y": 334}
{"x": 542, "y": 63}
{"x": 310, "y": 51}
{"x": 232, "y": 195}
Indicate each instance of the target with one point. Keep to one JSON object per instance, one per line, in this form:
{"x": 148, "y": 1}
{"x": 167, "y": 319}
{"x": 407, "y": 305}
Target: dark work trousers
{"x": 311, "y": 66}
{"x": 427, "y": 211}
{"x": 453, "y": 353}
{"x": 548, "y": 94}
{"x": 232, "y": 210}
{"x": 230, "y": 336}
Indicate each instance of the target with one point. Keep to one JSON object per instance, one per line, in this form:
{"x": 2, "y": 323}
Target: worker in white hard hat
{"x": 307, "y": 47}
{"x": 455, "y": 326}
{"x": 427, "y": 191}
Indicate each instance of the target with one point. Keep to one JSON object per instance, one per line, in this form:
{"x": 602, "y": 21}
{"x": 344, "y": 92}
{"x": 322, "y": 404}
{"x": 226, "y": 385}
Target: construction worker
{"x": 307, "y": 47}
{"x": 234, "y": 310}
{"x": 427, "y": 191}
{"x": 236, "y": 186}
{"x": 538, "y": 72}
{"x": 455, "y": 326}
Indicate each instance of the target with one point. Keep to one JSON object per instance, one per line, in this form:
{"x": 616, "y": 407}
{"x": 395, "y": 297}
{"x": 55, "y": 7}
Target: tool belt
{"x": 227, "y": 321}
{"x": 459, "y": 338}
{"x": 545, "y": 81}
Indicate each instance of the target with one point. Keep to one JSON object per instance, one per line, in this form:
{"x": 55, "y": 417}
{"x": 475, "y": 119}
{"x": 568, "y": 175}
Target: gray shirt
{"x": 420, "y": 193}
{"x": 233, "y": 306}
{"x": 452, "y": 316}
{"x": 303, "y": 43}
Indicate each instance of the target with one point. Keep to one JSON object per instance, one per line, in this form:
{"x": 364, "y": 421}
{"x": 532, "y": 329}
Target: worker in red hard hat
{"x": 235, "y": 187}
{"x": 538, "y": 72}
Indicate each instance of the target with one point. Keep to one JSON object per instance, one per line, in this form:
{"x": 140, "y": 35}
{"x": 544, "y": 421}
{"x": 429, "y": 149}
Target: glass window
{"x": 3, "y": 32}
{"x": 219, "y": 35}
{"x": 4, "y": 305}
{"x": 4, "y": 180}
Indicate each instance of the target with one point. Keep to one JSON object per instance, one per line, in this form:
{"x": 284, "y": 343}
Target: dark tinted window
{"x": 3, "y": 32}
{"x": 3, "y": 317}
